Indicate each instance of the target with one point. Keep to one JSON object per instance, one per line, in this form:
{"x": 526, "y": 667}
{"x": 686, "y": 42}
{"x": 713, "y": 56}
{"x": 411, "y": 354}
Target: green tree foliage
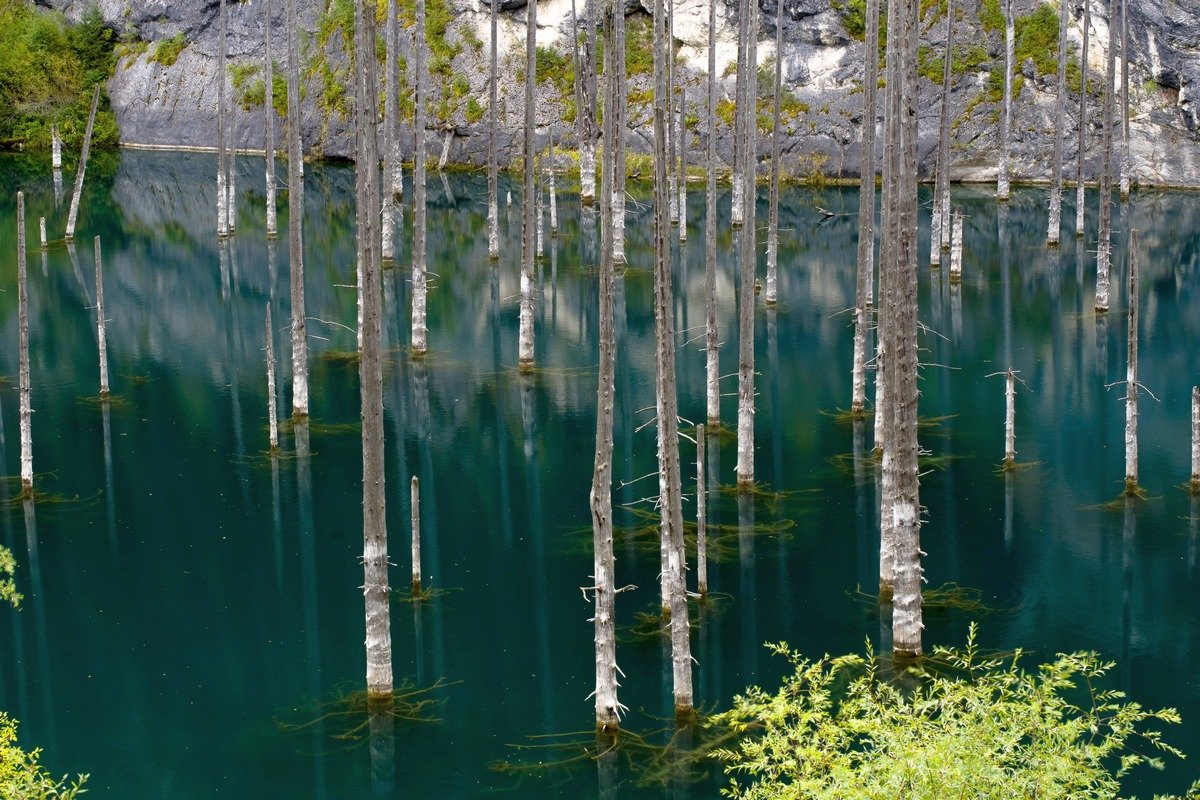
{"x": 986, "y": 729}
{"x": 47, "y": 71}
{"x": 22, "y": 777}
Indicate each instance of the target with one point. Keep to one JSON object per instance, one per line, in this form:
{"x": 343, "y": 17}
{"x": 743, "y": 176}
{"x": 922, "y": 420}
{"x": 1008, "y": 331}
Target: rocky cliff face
{"x": 174, "y": 106}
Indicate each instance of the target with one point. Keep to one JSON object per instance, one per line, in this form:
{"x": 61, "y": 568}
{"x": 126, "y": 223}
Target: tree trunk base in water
{"x": 379, "y": 701}
{"x": 885, "y": 594}
{"x": 686, "y": 716}
{"x": 1194, "y": 485}
{"x": 525, "y": 367}
{"x": 1132, "y": 489}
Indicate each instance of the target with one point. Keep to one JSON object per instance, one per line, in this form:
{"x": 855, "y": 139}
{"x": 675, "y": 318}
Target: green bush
{"x": 22, "y": 777}
{"x": 167, "y": 51}
{"x": 982, "y": 729}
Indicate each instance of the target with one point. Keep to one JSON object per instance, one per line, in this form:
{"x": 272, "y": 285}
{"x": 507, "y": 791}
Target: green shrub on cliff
{"x": 47, "y": 71}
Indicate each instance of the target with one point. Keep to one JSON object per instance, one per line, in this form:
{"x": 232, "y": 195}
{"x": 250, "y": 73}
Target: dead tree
{"x": 701, "y": 518}
{"x": 1104, "y": 245}
{"x": 493, "y": 181}
{"x": 420, "y": 330}
{"x": 296, "y": 224}
{"x": 414, "y": 495}
{"x": 749, "y": 254}
{"x": 376, "y": 593}
{"x": 746, "y": 71}
{"x": 1131, "y": 374}
{"x": 272, "y": 412}
{"x": 866, "y": 211}
{"x": 391, "y": 112}
{"x": 525, "y": 352}
{"x": 618, "y": 141}
{"x": 1002, "y": 174}
{"x": 669, "y": 480}
{"x": 586, "y": 108}
{"x": 711, "y": 340}
{"x": 1126, "y": 155}
{"x": 73, "y": 213}
{"x": 1194, "y": 484}
{"x": 1080, "y": 205}
{"x": 773, "y": 210}
{"x": 269, "y": 124}
{"x": 1060, "y": 133}
{"x": 222, "y": 115}
{"x": 101, "y": 338}
{"x": 938, "y": 233}
{"x": 26, "y": 410}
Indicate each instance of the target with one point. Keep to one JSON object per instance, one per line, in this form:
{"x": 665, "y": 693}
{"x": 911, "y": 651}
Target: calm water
{"x": 193, "y": 599}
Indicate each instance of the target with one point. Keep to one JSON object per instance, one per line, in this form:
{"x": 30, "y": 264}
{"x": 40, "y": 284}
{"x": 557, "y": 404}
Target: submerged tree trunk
{"x": 73, "y": 213}
{"x": 1131, "y": 373}
{"x": 956, "y": 247}
{"x": 295, "y": 224}
{"x": 493, "y": 181}
{"x": 222, "y": 113}
{"x": 525, "y": 352}
{"x": 101, "y": 338}
{"x": 272, "y": 413}
{"x": 1002, "y": 187}
{"x": 941, "y": 183}
{"x": 773, "y": 210}
{"x": 701, "y": 518}
{"x": 866, "y": 212}
{"x": 1060, "y": 133}
{"x": 1080, "y": 207}
{"x": 269, "y": 125}
{"x": 1104, "y": 245}
{"x": 1195, "y": 481}
{"x": 749, "y": 256}
{"x": 1010, "y": 419}
{"x": 414, "y": 494}
{"x": 26, "y": 411}
{"x": 711, "y": 340}
{"x": 376, "y": 593}
{"x": 670, "y": 500}
{"x": 586, "y": 108}
{"x": 420, "y": 330}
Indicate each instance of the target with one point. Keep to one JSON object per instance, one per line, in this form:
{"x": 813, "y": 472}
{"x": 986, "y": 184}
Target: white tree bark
{"x": 222, "y": 113}
{"x": 55, "y": 148}
{"x": 1010, "y": 419}
{"x": 1104, "y": 245}
{"x": 26, "y": 411}
{"x": 420, "y": 330}
{"x": 681, "y": 142}
{"x": 701, "y": 517}
{"x": 525, "y": 350}
{"x": 42, "y": 232}
{"x": 1126, "y": 156}
{"x": 272, "y": 412}
{"x": 1080, "y": 206}
{"x": 1131, "y": 374}
{"x": 269, "y": 125}
{"x": 585, "y": 71}
{"x": 101, "y": 339}
{"x": 493, "y": 129}
{"x": 773, "y": 209}
{"x": 73, "y": 214}
{"x": 1002, "y": 182}
{"x": 711, "y": 340}
{"x": 1195, "y": 483}
{"x": 749, "y": 256}
{"x": 540, "y": 210}
{"x": 941, "y": 184}
{"x": 391, "y": 138}
{"x": 415, "y": 505}
{"x": 866, "y": 214}
{"x": 1060, "y": 132}
{"x": 296, "y": 224}
{"x": 956, "y": 246}
{"x": 618, "y": 142}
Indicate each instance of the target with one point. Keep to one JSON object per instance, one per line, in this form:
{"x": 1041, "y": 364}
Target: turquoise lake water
{"x": 194, "y": 606}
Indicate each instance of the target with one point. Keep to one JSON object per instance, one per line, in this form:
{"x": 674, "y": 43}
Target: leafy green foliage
{"x": 167, "y": 51}
{"x": 47, "y": 71}
{"x": 22, "y": 777}
{"x": 987, "y": 729}
{"x": 1037, "y": 38}
{"x": 8, "y": 587}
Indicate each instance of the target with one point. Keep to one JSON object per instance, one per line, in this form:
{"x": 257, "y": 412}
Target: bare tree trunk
{"x": 55, "y": 148}
{"x": 222, "y": 113}
{"x": 1126, "y": 156}
{"x": 1104, "y": 245}
{"x": 101, "y": 339}
{"x": 773, "y": 210}
{"x": 272, "y": 413}
{"x": 1080, "y": 207}
{"x": 608, "y": 707}
{"x": 493, "y": 129}
{"x": 866, "y": 211}
{"x": 539, "y": 205}
{"x": 391, "y": 138}
{"x": 749, "y": 256}
{"x": 1195, "y": 481}
{"x": 26, "y": 411}
{"x": 414, "y": 494}
{"x": 525, "y": 352}
{"x": 672, "y": 185}
{"x": 941, "y": 183}
{"x": 1002, "y": 187}
{"x": 711, "y": 340}
{"x": 617, "y": 144}
{"x": 376, "y": 593}
{"x": 73, "y": 214}
{"x": 681, "y": 147}
{"x": 296, "y": 224}
{"x": 746, "y": 72}
{"x": 701, "y": 518}
{"x": 585, "y": 105}
{"x": 553, "y": 190}
{"x": 420, "y": 330}
{"x": 956, "y": 248}
{"x": 269, "y": 126}
{"x": 1131, "y": 374}
{"x": 906, "y": 598}
{"x": 231, "y": 172}
{"x": 1060, "y": 132}
{"x": 1010, "y": 419}
{"x": 667, "y": 405}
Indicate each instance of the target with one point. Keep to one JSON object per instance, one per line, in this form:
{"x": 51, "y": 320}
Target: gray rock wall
{"x": 175, "y": 106}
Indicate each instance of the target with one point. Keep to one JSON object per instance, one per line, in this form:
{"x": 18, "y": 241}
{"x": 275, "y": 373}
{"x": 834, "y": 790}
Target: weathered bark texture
{"x": 1104, "y": 244}
{"x": 376, "y": 593}
{"x": 749, "y": 254}
{"x": 1195, "y": 481}
{"x": 586, "y": 108}
{"x": 493, "y": 128}
{"x": 773, "y": 210}
{"x": 296, "y": 223}
{"x": 1002, "y": 182}
{"x": 42, "y": 233}
{"x": 55, "y": 148}
{"x": 420, "y": 330}
{"x": 617, "y": 143}
{"x": 26, "y": 411}
{"x": 391, "y": 137}
{"x": 670, "y": 500}
{"x": 1131, "y": 373}
{"x": 222, "y": 125}
{"x": 681, "y": 147}
{"x": 101, "y": 338}
{"x": 956, "y": 247}
{"x": 941, "y": 183}
{"x": 269, "y": 124}
{"x": 711, "y": 340}
{"x": 1010, "y": 419}
{"x": 73, "y": 213}
{"x": 415, "y": 507}
{"x": 1060, "y": 133}
{"x": 1126, "y": 155}
{"x": 746, "y": 71}
{"x": 701, "y": 518}
{"x": 1081, "y": 152}
{"x": 866, "y": 215}
{"x": 525, "y": 351}
{"x": 272, "y": 412}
